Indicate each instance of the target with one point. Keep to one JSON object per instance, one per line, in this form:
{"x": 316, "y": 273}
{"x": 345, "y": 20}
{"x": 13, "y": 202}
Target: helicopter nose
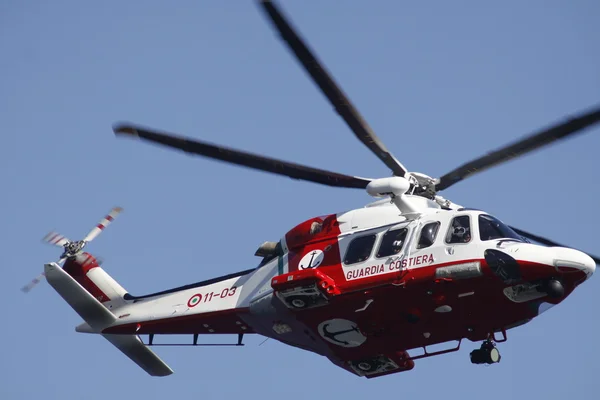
{"x": 566, "y": 259}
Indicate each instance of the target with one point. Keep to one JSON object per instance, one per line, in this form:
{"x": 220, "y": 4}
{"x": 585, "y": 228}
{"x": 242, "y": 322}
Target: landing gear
{"x": 302, "y": 297}
{"x": 487, "y": 354}
{"x": 374, "y": 365}
{"x": 297, "y": 301}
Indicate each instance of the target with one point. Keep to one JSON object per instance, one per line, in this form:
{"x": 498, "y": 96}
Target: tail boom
{"x": 208, "y": 307}
{"x": 227, "y": 321}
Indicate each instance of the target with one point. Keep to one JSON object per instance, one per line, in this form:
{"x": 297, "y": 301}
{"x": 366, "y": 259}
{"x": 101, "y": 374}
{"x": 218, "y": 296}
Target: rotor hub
{"x": 74, "y": 248}
{"x": 422, "y": 185}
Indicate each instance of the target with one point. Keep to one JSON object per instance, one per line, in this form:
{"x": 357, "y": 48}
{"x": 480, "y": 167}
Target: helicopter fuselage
{"x": 372, "y": 283}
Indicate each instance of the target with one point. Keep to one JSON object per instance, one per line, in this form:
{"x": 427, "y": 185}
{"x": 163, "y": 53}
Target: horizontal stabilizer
{"x": 132, "y": 347}
{"x": 99, "y": 317}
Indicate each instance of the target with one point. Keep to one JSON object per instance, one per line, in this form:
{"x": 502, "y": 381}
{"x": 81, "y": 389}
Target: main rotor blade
{"x": 521, "y": 147}
{"x": 547, "y": 242}
{"x": 295, "y": 171}
{"x": 332, "y": 91}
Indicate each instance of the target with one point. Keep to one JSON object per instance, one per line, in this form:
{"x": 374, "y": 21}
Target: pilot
{"x": 365, "y": 252}
{"x": 399, "y": 242}
{"x": 460, "y": 233}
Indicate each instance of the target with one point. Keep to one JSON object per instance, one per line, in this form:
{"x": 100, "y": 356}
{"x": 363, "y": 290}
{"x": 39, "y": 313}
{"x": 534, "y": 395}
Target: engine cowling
{"x": 397, "y": 187}
{"x": 391, "y": 186}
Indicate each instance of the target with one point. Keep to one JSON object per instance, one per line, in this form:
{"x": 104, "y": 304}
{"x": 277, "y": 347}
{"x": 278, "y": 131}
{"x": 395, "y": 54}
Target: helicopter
{"x": 452, "y": 273}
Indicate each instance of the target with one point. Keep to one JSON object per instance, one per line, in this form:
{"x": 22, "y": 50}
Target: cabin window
{"x": 392, "y": 243}
{"x": 428, "y": 235}
{"x": 460, "y": 230}
{"x": 491, "y": 228}
{"x": 359, "y": 249}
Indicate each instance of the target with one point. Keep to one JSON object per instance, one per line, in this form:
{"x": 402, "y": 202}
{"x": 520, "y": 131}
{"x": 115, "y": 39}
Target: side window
{"x": 392, "y": 242}
{"x": 428, "y": 234}
{"x": 460, "y": 230}
{"x": 359, "y": 249}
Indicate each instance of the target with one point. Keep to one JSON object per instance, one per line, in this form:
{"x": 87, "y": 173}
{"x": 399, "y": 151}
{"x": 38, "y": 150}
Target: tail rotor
{"x": 73, "y": 249}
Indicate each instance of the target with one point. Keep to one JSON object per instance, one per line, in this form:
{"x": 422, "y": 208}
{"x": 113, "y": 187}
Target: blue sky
{"x": 440, "y": 82}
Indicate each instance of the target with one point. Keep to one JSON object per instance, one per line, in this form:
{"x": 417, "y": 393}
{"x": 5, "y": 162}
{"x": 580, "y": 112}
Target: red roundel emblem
{"x": 194, "y": 300}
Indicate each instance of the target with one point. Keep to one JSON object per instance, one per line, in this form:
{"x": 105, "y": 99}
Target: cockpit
{"x": 491, "y": 228}
{"x": 461, "y": 229}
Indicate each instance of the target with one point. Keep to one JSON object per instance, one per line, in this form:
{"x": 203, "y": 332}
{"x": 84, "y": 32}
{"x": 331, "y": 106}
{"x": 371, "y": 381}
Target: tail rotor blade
{"x": 27, "y": 288}
{"x": 87, "y": 259}
{"x": 56, "y": 239}
{"x": 103, "y": 224}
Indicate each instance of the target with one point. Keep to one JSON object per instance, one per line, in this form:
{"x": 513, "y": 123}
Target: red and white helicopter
{"x": 326, "y": 286}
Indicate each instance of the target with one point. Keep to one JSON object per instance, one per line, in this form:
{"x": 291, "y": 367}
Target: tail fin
{"x": 85, "y": 269}
{"x": 98, "y": 316}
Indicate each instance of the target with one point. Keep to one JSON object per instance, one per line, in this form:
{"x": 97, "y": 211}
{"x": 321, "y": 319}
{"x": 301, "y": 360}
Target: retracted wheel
{"x": 365, "y": 366}
{"x": 297, "y": 301}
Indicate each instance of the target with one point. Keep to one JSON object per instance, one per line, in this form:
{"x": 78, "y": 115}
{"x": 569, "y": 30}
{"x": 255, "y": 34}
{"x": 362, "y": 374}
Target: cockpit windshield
{"x": 491, "y": 228}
